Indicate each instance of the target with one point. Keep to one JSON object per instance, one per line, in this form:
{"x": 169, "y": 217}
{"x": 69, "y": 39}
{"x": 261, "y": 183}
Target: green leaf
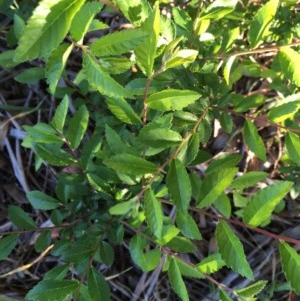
{"x": 101, "y": 80}
{"x": 19, "y": 26}
{"x": 251, "y": 290}
{"x": 214, "y": 185}
{"x": 284, "y": 111}
{"x": 158, "y": 137}
{"x": 56, "y": 65}
{"x": 98, "y": 287}
{"x": 43, "y": 133}
{"x": 146, "y": 261}
{"x": 168, "y": 233}
{"x": 179, "y": 185}
{"x": 153, "y": 213}
{"x": 290, "y": 64}
{"x": 181, "y": 245}
{"x": 223, "y": 205}
{"x": 78, "y": 252}
{"x": 57, "y": 273}
{"x": 187, "y": 225}
{"x": 145, "y": 53}
{"x": 135, "y": 10}
{"x": 232, "y": 251}
{"x": 106, "y": 253}
{"x": 181, "y": 57}
{"x": 30, "y": 75}
{"x": 172, "y": 99}
{"x": 40, "y": 200}
{"x": 223, "y": 296}
{"x": 122, "y": 110}
{"x": 77, "y": 127}
{"x": 218, "y": 9}
{"x": 211, "y": 264}
{"x": 83, "y": 19}
{"x": 53, "y": 155}
{"x": 50, "y": 19}
{"x": 7, "y": 244}
{"x": 123, "y": 207}
{"x": 48, "y": 290}
{"x": 189, "y": 150}
{"x": 263, "y": 202}
{"x": 176, "y": 280}
{"x": 89, "y": 149}
{"x": 254, "y": 141}
{"x": 290, "y": 261}
{"x": 59, "y": 118}
{"x": 229, "y": 160}
{"x": 249, "y": 179}
{"x": 43, "y": 241}
{"x": 20, "y": 218}
{"x": 130, "y": 164}
{"x": 259, "y": 26}
{"x": 114, "y": 141}
{"x": 188, "y": 270}
{"x": 118, "y": 42}
{"x": 292, "y": 144}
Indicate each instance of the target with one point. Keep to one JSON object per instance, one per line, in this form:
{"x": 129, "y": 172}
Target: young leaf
{"x": 262, "y": 203}
{"x": 101, "y": 80}
{"x": 146, "y": 52}
{"x": 232, "y": 251}
{"x": 211, "y": 264}
{"x": 176, "y": 280}
{"x": 56, "y": 65}
{"x": 251, "y": 290}
{"x": 49, "y": 290}
{"x": 20, "y": 218}
{"x": 118, "y": 42}
{"x": 172, "y": 99}
{"x": 130, "y": 164}
{"x": 7, "y": 244}
{"x": 249, "y": 179}
{"x": 290, "y": 261}
{"x": 187, "y": 225}
{"x": 261, "y": 23}
{"x": 179, "y": 185}
{"x": 146, "y": 261}
{"x": 40, "y": 200}
{"x": 49, "y": 19}
{"x": 214, "y": 185}
{"x": 122, "y": 110}
{"x": 83, "y": 19}
{"x": 153, "y": 213}
{"x": 290, "y": 64}
{"x": 292, "y": 144}
{"x": 77, "y": 127}
{"x": 59, "y": 118}
{"x": 254, "y": 141}
{"x": 98, "y": 288}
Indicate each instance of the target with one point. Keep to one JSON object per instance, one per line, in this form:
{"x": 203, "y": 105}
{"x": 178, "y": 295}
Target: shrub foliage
{"x": 134, "y": 125}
